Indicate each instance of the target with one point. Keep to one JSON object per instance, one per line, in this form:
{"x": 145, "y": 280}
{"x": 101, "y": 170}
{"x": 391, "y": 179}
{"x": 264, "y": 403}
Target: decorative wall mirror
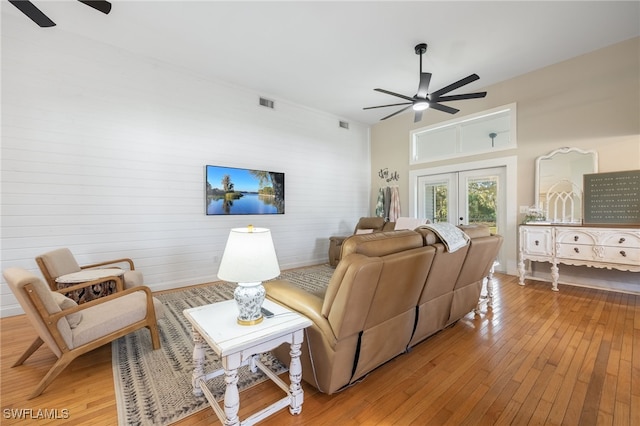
{"x": 559, "y": 177}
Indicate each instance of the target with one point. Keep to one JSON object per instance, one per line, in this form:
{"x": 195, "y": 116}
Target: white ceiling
{"x": 330, "y": 55}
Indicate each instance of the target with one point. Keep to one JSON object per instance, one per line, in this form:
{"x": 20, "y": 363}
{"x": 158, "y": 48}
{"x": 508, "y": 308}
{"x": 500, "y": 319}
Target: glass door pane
{"x": 435, "y": 196}
{"x": 480, "y": 198}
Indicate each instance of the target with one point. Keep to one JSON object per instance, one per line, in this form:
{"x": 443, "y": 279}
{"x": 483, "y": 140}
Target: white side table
{"x": 104, "y": 289}
{"x": 238, "y": 345}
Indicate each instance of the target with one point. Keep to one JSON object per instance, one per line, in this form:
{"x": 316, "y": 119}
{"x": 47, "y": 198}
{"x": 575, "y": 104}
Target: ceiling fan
{"x": 37, "y": 16}
{"x": 423, "y": 99}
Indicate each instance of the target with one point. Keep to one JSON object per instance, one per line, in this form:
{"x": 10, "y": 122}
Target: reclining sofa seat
{"x": 455, "y": 279}
{"x": 367, "y": 314}
{"x": 376, "y": 311}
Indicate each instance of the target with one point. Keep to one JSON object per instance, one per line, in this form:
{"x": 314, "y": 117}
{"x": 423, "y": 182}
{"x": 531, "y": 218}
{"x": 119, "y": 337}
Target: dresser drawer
{"x": 626, "y": 239}
{"x": 574, "y": 236}
{"x": 576, "y": 251}
{"x": 619, "y": 255}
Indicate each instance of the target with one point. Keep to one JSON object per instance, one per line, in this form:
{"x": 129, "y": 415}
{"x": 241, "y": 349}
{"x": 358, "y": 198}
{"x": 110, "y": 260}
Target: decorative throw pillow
{"x": 65, "y": 303}
{"x": 363, "y": 231}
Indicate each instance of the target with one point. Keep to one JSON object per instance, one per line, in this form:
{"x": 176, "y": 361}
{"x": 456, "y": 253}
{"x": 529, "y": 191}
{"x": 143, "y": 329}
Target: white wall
{"x": 103, "y": 152}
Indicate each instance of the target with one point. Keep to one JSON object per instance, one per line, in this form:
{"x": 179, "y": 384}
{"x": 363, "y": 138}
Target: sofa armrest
{"x": 338, "y": 239}
{"x": 301, "y": 301}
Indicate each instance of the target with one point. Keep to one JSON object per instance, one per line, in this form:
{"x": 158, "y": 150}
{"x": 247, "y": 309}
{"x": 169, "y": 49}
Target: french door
{"x": 464, "y": 198}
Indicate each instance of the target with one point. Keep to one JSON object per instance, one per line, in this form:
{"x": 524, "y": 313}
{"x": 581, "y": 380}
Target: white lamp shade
{"x": 249, "y": 256}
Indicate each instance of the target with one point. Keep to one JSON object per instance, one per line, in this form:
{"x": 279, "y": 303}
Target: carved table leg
{"x": 555, "y": 276}
{"x": 198, "y": 362}
{"x": 521, "y": 271}
{"x": 490, "y": 286}
{"x": 231, "y": 398}
{"x": 295, "y": 375}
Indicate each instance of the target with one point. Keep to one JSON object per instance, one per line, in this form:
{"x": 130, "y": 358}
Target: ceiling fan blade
{"x": 460, "y": 97}
{"x": 395, "y": 113}
{"x": 417, "y": 117}
{"x": 101, "y": 5}
{"x": 409, "y": 98}
{"x": 33, "y": 13}
{"x": 454, "y": 86}
{"x": 423, "y": 87}
{"x": 383, "y": 106}
{"x": 443, "y": 108}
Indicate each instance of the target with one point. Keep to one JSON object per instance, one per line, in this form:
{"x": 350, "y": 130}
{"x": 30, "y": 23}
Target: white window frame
{"x": 457, "y": 124}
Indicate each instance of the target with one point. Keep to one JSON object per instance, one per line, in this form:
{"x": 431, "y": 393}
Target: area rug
{"x": 154, "y": 387}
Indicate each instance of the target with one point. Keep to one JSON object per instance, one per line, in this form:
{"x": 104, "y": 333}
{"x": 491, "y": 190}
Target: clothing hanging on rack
{"x": 387, "y": 203}
{"x": 380, "y": 203}
{"x": 394, "y": 210}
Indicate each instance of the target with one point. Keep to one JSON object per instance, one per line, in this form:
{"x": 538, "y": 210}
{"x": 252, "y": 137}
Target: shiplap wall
{"x": 103, "y": 152}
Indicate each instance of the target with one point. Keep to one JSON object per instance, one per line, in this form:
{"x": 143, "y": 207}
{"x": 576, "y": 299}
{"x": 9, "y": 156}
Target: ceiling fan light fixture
{"x": 420, "y": 105}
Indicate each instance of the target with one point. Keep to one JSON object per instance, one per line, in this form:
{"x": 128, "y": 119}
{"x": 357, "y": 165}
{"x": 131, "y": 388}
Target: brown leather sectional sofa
{"x": 390, "y": 291}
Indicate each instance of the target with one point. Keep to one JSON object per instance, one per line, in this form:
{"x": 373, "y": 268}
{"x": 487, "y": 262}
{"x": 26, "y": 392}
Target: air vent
{"x": 266, "y": 103}
{"x": 344, "y": 124}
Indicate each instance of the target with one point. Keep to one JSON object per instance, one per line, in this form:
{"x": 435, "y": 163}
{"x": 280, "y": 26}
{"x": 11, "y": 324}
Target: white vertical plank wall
{"x": 104, "y": 152}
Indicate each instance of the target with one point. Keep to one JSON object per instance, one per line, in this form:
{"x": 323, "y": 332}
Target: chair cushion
{"x": 17, "y": 278}
{"x": 108, "y": 317}
{"x": 133, "y": 279}
{"x": 65, "y": 303}
{"x": 60, "y": 262}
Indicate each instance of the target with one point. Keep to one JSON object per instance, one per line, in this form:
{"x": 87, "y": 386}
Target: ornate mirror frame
{"x": 559, "y": 180}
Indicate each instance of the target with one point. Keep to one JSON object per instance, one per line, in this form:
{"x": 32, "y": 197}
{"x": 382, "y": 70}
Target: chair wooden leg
{"x": 31, "y": 349}
{"x": 155, "y": 336}
{"x": 57, "y": 368}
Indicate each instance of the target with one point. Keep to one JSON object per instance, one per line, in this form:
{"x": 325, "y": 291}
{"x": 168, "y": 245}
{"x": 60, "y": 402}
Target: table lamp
{"x": 248, "y": 259}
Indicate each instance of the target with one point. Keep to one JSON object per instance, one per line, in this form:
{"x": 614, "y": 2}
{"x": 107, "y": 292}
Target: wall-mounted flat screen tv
{"x": 230, "y": 190}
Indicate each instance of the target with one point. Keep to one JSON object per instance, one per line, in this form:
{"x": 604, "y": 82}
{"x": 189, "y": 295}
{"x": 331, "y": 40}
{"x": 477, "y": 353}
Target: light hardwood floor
{"x": 538, "y": 357}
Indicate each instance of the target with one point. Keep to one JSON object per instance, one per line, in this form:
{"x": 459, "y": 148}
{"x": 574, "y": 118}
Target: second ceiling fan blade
{"x": 33, "y": 13}
{"x": 454, "y": 86}
{"x": 460, "y": 97}
{"x": 101, "y": 5}
{"x": 443, "y": 108}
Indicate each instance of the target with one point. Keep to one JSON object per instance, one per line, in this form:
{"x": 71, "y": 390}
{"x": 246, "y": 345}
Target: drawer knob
{"x": 537, "y": 242}
{"x": 576, "y": 249}
{"x": 623, "y": 253}
{"x": 622, "y": 240}
{"x": 575, "y": 238}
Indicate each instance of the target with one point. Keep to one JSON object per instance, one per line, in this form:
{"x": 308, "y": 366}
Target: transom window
{"x": 487, "y": 131}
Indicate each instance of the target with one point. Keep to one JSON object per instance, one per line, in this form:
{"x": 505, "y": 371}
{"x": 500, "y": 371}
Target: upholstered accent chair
{"x": 71, "y": 330}
{"x": 365, "y": 225}
{"x": 58, "y": 263}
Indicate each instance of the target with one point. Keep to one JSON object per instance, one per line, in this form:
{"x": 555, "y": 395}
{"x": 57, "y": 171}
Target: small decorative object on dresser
{"x": 611, "y": 248}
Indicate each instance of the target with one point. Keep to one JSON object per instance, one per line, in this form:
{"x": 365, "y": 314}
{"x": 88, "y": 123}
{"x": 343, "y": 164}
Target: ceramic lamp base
{"x": 249, "y": 297}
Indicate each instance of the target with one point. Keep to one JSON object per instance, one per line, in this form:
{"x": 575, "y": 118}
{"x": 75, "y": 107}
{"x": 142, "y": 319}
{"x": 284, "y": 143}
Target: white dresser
{"x": 612, "y": 248}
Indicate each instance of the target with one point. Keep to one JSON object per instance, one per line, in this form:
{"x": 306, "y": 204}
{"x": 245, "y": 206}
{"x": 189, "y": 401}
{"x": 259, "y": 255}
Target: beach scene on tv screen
{"x": 231, "y": 190}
